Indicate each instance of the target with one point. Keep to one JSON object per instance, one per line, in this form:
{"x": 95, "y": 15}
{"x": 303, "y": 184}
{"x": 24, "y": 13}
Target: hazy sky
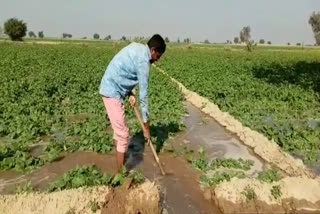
{"x": 279, "y": 21}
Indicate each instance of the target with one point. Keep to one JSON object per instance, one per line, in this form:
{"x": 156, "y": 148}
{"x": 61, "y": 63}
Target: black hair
{"x": 157, "y": 43}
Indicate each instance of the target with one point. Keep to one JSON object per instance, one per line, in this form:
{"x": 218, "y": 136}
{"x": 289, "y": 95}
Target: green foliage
{"x": 41, "y": 34}
{"x": 15, "y": 29}
{"x": 81, "y": 176}
{"x": 17, "y": 156}
{"x": 273, "y": 92}
{"x": 201, "y": 162}
{"x": 220, "y": 170}
{"x": 94, "y": 206}
{"x": 249, "y": 193}
{"x": 270, "y": 175}
{"x": 232, "y": 163}
{"x": 96, "y": 36}
{"x": 91, "y": 176}
{"x": 276, "y": 192}
{"x": 219, "y": 177}
{"x": 71, "y": 211}
{"x": 57, "y": 82}
{"x": 25, "y": 188}
{"x": 137, "y": 177}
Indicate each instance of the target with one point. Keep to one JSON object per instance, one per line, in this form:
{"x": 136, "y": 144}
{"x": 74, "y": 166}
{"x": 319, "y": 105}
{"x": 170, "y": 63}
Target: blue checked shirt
{"x": 128, "y": 68}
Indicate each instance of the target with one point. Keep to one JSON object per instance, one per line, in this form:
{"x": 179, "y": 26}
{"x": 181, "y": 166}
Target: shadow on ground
{"x": 159, "y": 132}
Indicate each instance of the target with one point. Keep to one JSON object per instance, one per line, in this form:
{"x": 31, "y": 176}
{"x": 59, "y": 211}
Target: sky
{"x": 278, "y": 21}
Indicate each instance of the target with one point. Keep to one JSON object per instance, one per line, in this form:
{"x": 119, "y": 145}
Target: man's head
{"x": 157, "y": 47}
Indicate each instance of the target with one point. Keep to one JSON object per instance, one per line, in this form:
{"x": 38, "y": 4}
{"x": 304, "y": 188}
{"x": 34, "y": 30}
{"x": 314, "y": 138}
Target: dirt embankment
{"x": 295, "y": 195}
{"x": 126, "y": 199}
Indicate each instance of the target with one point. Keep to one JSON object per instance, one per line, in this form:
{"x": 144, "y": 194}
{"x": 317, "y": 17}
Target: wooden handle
{"x": 149, "y": 141}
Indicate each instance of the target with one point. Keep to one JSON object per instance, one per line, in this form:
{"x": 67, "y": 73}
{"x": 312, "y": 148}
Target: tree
{"x": 167, "y": 40}
{"x": 206, "y": 41}
{"x": 288, "y": 44}
{"x": 261, "y": 41}
{"x": 269, "y": 42}
{"x": 178, "y": 40}
{"x": 123, "y": 38}
{"x": 96, "y": 36}
{"x": 108, "y": 37}
{"x": 245, "y": 37}
{"x": 66, "y": 35}
{"x": 298, "y": 44}
{"x": 1, "y": 31}
{"x": 236, "y": 40}
{"x": 32, "y": 34}
{"x": 15, "y": 29}
{"x": 187, "y": 40}
{"x": 41, "y": 34}
{"x": 314, "y": 21}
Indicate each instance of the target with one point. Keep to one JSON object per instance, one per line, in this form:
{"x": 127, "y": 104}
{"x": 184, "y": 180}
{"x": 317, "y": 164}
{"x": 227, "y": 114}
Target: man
{"x": 130, "y": 67}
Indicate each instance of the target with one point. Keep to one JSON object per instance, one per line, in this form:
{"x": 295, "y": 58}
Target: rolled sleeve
{"x": 143, "y": 78}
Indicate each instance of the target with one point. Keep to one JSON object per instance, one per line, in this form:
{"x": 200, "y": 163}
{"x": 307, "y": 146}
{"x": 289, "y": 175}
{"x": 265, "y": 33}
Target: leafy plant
{"x": 82, "y": 176}
{"x": 25, "y": 188}
{"x": 249, "y": 193}
{"x": 94, "y": 205}
{"x": 219, "y": 177}
{"x": 269, "y": 175}
{"x": 137, "y": 177}
{"x": 276, "y": 192}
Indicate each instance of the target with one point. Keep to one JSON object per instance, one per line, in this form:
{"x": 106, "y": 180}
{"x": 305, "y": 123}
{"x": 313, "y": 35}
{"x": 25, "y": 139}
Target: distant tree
{"x": 123, "y": 38}
{"x": 84, "y": 37}
{"x": 66, "y": 35}
{"x": 236, "y": 40}
{"x": 206, "y": 41}
{"x": 245, "y": 36}
{"x": 269, "y": 42}
{"x": 1, "y": 31}
{"x": 32, "y": 34}
{"x": 314, "y": 21}
{"x": 298, "y": 44}
{"x": 167, "y": 40}
{"x": 178, "y": 40}
{"x": 187, "y": 40}
{"x": 261, "y": 41}
{"x": 15, "y": 29}
{"x": 288, "y": 44}
{"x": 107, "y": 37}
{"x": 96, "y": 36}
{"x": 41, "y": 34}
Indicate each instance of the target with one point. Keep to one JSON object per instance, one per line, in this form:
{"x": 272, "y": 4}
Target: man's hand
{"x": 147, "y": 132}
{"x": 132, "y": 101}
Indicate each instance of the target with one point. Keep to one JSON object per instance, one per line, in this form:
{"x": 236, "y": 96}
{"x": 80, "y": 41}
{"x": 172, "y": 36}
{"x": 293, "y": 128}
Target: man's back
{"x": 124, "y": 70}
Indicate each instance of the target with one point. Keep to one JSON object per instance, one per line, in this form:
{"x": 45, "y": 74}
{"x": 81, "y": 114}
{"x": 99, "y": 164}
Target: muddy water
{"x": 180, "y": 189}
{"x": 40, "y": 178}
{"x": 204, "y": 131}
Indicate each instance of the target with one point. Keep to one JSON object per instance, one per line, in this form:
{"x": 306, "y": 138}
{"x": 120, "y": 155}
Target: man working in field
{"x": 127, "y": 69}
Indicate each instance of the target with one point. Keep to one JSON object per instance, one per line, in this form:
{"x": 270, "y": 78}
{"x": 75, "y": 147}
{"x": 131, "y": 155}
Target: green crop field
{"x": 50, "y": 96}
{"x": 275, "y": 92}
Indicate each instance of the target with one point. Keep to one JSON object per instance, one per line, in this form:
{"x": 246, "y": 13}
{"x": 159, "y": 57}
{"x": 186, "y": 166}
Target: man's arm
{"x": 143, "y": 79}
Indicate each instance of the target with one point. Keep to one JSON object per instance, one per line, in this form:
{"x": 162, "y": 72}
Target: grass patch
{"x": 269, "y": 175}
